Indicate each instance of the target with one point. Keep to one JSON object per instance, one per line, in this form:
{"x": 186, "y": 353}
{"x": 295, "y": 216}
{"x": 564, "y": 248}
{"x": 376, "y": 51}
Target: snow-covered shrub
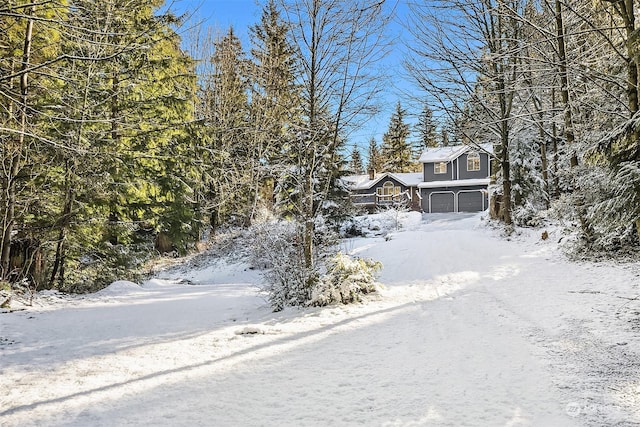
{"x": 345, "y": 281}
{"x": 351, "y": 228}
{"x": 379, "y": 224}
{"x": 325, "y": 236}
{"x": 277, "y": 248}
{"x": 527, "y": 215}
{"x": 104, "y": 264}
{"x": 599, "y": 219}
{"x": 393, "y": 214}
{"x": 614, "y": 214}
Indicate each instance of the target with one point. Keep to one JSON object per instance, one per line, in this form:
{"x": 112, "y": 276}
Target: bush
{"x": 277, "y": 248}
{"x": 106, "y": 263}
{"x": 347, "y": 279}
{"x": 527, "y": 215}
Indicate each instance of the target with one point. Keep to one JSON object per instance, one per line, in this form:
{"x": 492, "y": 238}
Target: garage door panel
{"x": 442, "y": 202}
{"x": 470, "y": 201}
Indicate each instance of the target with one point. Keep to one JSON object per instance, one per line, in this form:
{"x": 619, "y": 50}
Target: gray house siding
{"x": 482, "y": 173}
{"x": 369, "y": 196}
{"x": 430, "y": 175}
{"x": 363, "y": 197}
{"x": 455, "y": 199}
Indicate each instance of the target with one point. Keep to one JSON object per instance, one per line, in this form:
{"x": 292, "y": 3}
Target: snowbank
{"x": 471, "y": 330}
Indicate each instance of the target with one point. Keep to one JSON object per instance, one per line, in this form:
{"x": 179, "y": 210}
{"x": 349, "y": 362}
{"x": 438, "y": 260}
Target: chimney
{"x": 372, "y": 174}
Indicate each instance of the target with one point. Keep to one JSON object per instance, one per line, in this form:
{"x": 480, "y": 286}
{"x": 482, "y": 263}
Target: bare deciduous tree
{"x": 466, "y": 57}
{"x": 339, "y": 43}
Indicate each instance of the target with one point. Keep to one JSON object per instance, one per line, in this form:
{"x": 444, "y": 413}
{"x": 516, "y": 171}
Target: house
{"x": 386, "y": 189}
{"x": 455, "y": 179}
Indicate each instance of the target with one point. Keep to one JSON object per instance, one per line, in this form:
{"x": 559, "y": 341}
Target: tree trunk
{"x": 554, "y": 136}
{"x": 16, "y": 157}
{"x": 633, "y": 52}
{"x": 564, "y": 82}
{"x": 505, "y": 165}
{"x": 309, "y": 228}
{"x": 59, "y": 260}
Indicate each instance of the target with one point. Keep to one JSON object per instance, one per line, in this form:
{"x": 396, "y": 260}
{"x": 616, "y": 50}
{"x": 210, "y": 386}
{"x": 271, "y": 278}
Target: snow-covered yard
{"x": 469, "y": 330}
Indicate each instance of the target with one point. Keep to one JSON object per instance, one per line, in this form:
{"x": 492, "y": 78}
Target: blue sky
{"x": 241, "y": 14}
{"x": 222, "y": 13}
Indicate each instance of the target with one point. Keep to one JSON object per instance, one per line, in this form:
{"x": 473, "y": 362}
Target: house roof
{"x": 455, "y": 183}
{"x": 442, "y": 154}
{"x": 362, "y": 182}
{"x": 411, "y": 179}
{"x": 448, "y": 154}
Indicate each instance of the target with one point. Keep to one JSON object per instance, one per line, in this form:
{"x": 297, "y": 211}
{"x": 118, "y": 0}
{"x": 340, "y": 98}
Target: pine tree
{"x": 133, "y": 117}
{"x": 275, "y": 102}
{"x": 355, "y": 165}
{"x": 30, "y": 41}
{"x": 226, "y": 94}
{"x": 426, "y": 129}
{"x": 397, "y": 152}
{"x": 375, "y": 162}
{"x": 116, "y": 91}
{"x": 444, "y": 137}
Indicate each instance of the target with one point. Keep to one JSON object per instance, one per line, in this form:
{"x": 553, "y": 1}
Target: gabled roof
{"x": 448, "y": 154}
{"x": 362, "y": 182}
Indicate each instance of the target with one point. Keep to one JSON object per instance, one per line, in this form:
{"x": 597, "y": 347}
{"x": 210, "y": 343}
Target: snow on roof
{"x": 357, "y": 182}
{"x": 455, "y": 183}
{"x": 411, "y": 179}
{"x": 362, "y": 182}
{"x": 447, "y": 154}
{"x": 442, "y": 154}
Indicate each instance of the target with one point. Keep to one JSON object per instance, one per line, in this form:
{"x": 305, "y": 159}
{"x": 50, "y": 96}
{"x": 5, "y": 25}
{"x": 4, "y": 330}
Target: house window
{"x": 440, "y": 167}
{"x": 473, "y": 162}
{"x": 388, "y": 191}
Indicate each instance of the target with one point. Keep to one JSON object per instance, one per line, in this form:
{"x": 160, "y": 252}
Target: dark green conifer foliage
{"x": 227, "y": 131}
{"x": 397, "y": 151}
{"x": 115, "y": 93}
{"x": 275, "y": 104}
{"x": 355, "y": 165}
{"x": 427, "y": 136}
{"x": 375, "y": 161}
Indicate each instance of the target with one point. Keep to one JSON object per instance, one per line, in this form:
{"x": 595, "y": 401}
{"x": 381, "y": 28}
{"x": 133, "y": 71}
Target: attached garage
{"x": 456, "y": 178}
{"x": 453, "y": 198}
{"x": 440, "y": 202}
{"x": 470, "y": 201}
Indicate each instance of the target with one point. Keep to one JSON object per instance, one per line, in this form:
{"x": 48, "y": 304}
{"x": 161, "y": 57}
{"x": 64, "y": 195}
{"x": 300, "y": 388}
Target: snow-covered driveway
{"x": 470, "y": 330}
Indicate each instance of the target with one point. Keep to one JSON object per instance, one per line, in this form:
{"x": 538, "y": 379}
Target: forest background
{"x": 119, "y": 141}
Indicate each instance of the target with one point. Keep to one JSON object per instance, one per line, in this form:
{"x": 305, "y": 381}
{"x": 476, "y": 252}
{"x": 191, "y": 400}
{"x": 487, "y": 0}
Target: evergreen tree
{"x": 30, "y": 41}
{"x": 355, "y": 165}
{"x": 375, "y": 162}
{"x": 444, "y": 137}
{"x": 275, "y": 102}
{"x": 116, "y": 91}
{"x": 227, "y": 125}
{"x": 397, "y": 151}
{"x": 134, "y": 118}
{"x": 426, "y": 129}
